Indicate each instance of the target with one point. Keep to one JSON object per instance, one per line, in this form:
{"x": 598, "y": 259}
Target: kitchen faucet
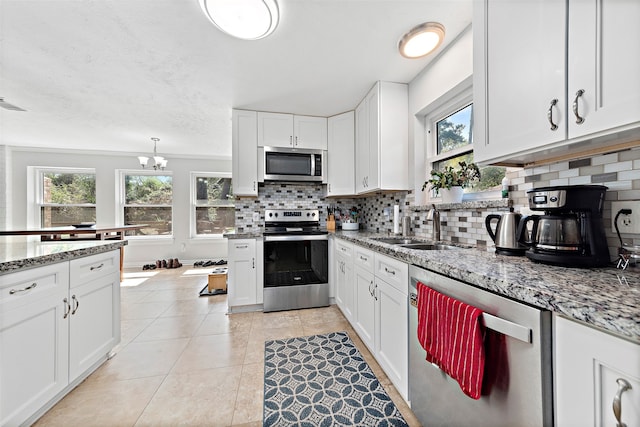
{"x": 434, "y": 215}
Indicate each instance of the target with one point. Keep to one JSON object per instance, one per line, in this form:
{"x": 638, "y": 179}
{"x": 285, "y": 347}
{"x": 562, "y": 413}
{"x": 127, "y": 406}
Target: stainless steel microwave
{"x": 292, "y": 164}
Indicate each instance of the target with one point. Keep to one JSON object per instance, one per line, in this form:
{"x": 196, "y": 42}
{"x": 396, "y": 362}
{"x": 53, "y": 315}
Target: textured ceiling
{"x": 111, "y": 74}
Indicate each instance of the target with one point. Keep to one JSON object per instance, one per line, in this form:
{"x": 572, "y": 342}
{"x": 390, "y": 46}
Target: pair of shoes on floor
{"x": 209, "y": 263}
{"x": 149, "y": 267}
{"x": 172, "y": 263}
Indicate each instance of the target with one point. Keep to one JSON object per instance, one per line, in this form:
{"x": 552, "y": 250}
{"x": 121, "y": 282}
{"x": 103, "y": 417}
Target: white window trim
{"x": 35, "y": 181}
{"x": 120, "y": 202}
{"x": 192, "y": 201}
{"x": 442, "y": 108}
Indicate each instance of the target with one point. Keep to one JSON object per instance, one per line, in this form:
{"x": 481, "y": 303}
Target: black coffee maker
{"x": 571, "y": 231}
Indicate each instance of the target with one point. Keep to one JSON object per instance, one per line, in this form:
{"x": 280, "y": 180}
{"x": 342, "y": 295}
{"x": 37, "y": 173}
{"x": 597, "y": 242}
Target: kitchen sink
{"x": 398, "y": 240}
{"x": 429, "y": 246}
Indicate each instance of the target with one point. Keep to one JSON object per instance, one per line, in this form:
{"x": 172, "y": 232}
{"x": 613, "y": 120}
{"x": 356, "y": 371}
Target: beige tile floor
{"x": 184, "y": 361}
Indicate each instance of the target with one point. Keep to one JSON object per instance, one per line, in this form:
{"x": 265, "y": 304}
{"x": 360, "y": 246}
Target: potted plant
{"x": 449, "y": 182}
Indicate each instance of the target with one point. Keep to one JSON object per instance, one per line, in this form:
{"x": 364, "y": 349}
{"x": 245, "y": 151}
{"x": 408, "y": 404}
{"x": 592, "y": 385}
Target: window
{"x": 66, "y": 196}
{"x": 450, "y": 141}
{"x": 147, "y": 200}
{"x": 213, "y": 207}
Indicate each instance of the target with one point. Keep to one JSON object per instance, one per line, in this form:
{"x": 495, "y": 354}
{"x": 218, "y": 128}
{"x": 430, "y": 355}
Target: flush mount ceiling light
{"x": 244, "y": 19}
{"x": 159, "y": 162}
{"x": 421, "y": 40}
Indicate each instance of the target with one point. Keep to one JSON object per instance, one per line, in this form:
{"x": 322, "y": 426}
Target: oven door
{"x": 296, "y": 271}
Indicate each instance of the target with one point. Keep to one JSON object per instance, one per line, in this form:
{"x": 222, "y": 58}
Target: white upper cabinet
{"x": 287, "y": 130}
{"x": 310, "y": 132}
{"x": 524, "y": 74}
{"x": 604, "y": 65}
{"x": 382, "y": 141}
{"x": 538, "y": 72}
{"x": 245, "y": 153}
{"x": 340, "y": 156}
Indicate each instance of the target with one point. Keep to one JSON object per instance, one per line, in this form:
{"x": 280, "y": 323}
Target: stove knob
{"x": 308, "y": 214}
{"x": 313, "y": 214}
{"x": 276, "y": 214}
{"x": 270, "y": 214}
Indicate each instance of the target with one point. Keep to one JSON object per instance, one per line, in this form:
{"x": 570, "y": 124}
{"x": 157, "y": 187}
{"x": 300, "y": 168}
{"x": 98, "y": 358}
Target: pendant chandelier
{"x": 159, "y": 162}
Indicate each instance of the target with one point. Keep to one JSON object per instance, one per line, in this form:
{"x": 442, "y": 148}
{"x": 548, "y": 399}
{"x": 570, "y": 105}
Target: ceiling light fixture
{"x": 244, "y": 19}
{"x": 421, "y": 40}
{"x": 159, "y": 162}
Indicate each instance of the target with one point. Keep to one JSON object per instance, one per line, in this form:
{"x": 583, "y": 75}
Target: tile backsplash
{"x": 465, "y": 222}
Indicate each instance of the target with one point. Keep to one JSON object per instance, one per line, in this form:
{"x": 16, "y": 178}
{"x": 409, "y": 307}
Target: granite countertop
{"x": 19, "y": 253}
{"x": 607, "y": 298}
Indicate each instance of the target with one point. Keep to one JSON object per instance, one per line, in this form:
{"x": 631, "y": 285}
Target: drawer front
{"x": 346, "y": 249}
{"x": 83, "y": 270}
{"x": 17, "y": 289}
{"x": 242, "y": 249}
{"x": 363, "y": 258}
{"x": 392, "y": 271}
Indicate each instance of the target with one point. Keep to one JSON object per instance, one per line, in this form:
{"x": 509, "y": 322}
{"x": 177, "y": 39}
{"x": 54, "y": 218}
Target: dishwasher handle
{"x": 495, "y": 323}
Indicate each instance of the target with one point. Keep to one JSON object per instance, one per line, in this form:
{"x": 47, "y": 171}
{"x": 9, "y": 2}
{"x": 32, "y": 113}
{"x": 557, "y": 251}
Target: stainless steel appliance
{"x": 292, "y": 164}
{"x": 505, "y": 234}
{"x": 296, "y": 260}
{"x": 517, "y": 385}
{"x": 571, "y": 231}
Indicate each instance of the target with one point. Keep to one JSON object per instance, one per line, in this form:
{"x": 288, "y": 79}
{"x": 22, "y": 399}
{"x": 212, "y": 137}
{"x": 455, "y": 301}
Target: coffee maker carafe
{"x": 571, "y": 231}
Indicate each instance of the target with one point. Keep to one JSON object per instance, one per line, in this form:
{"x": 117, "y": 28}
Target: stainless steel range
{"x": 296, "y": 260}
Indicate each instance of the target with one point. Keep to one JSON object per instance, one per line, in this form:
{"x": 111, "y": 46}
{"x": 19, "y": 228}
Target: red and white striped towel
{"x": 450, "y": 331}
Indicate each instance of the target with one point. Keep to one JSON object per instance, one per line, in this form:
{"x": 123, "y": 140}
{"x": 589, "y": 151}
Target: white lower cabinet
{"x": 244, "y": 279}
{"x": 94, "y": 327}
{"x": 596, "y": 377}
{"x": 343, "y": 257}
{"x": 364, "y": 319}
{"x": 381, "y": 315}
{"x": 54, "y": 331}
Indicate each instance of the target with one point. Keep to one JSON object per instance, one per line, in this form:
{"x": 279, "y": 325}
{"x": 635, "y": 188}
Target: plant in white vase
{"x": 449, "y": 182}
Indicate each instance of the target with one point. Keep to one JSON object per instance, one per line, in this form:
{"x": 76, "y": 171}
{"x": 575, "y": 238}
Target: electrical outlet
{"x": 627, "y": 224}
{"x": 256, "y": 216}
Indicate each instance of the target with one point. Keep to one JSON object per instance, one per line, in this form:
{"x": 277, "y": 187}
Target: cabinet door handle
{"x": 97, "y": 267}
{"x": 28, "y": 288}
{"x": 76, "y": 304}
{"x": 296, "y": 141}
{"x": 392, "y": 272}
{"x": 67, "y": 308}
{"x": 291, "y": 140}
{"x": 254, "y": 186}
{"x": 550, "y": 114}
{"x": 623, "y": 385}
{"x": 374, "y": 292}
{"x": 579, "y": 119}
{"x": 253, "y": 263}
{"x": 370, "y": 288}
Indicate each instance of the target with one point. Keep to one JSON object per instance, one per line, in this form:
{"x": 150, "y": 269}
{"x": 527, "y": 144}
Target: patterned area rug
{"x": 323, "y": 380}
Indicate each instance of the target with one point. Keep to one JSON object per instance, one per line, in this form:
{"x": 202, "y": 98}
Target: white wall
{"x": 138, "y": 252}
{"x": 452, "y": 67}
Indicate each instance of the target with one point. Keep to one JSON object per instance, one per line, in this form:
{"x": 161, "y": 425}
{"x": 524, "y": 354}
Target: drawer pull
{"x": 623, "y": 385}
{"x": 365, "y": 259}
{"x": 242, "y": 246}
{"x": 77, "y": 304}
{"x": 67, "y": 308}
{"x": 98, "y": 267}
{"x": 28, "y": 288}
{"x": 393, "y": 272}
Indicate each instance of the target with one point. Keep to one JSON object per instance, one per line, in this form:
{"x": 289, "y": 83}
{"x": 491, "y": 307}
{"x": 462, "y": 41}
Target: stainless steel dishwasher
{"x": 518, "y": 375}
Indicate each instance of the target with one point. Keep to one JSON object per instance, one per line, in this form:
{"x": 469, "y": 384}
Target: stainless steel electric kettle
{"x": 505, "y": 234}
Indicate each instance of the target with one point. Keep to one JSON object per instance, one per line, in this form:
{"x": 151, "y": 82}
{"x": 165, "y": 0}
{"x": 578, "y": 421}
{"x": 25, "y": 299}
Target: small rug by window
{"x": 323, "y": 380}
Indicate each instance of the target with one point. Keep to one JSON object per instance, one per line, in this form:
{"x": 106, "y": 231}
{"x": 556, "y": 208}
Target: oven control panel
{"x": 291, "y": 215}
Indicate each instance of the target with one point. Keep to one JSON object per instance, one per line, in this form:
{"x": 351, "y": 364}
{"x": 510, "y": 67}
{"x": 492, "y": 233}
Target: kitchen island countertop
{"x": 19, "y": 253}
{"x": 607, "y": 298}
